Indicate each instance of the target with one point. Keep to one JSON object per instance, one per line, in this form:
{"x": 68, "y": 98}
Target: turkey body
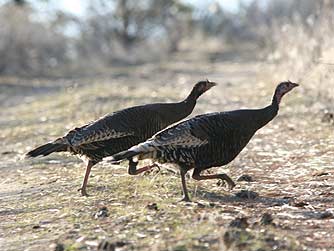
{"x": 120, "y": 130}
{"x": 207, "y": 140}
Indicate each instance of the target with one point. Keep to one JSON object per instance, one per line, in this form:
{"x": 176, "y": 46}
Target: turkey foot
{"x": 185, "y": 199}
{"x": 83, "y": 191}
{"x": 133, "y": 168}
{"x": 224, "y": 177}
{"x": 150, "y": 167}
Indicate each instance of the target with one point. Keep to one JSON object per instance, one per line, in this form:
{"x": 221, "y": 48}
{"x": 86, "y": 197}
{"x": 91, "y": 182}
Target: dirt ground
{"x": 287, "y": 205}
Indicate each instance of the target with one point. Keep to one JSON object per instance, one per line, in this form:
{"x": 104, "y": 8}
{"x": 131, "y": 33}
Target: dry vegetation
{"x": 284, "y": 197}
{"x": 303, "y": 50}
{"x": 290, "y": 162}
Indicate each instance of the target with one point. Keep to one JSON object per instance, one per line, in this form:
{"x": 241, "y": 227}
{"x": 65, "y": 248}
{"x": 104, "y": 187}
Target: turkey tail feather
{"x": 46, "y": 149}
{"x": 124, "y": 155}
{"x": 140, "y": 149}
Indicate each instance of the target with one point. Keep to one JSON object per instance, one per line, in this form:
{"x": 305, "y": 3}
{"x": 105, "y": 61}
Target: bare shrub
{"x": 129, "y": 31}
{"x": 301, "y": 47}
{"x": 28, "y": 46}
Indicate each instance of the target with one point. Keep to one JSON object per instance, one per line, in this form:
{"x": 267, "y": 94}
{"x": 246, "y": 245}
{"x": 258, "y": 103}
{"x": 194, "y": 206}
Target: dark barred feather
{"x": 118, "y": 131}
{"x": 207, "y": 140}
{"x": 46, "y": 149}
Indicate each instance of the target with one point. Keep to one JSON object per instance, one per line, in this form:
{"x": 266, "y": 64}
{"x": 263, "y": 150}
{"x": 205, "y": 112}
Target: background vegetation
{"x": 294, "y": 35}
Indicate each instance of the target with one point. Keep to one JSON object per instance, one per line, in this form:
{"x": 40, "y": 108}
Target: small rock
{"x": 45, "y": 222}
{"x": 200, "y": 205}
{"x": 102, "y": 213}
{"x": 326, "y": 215}
{"x": 321, "y": 173}
{"x": 266, "y": 219}
{"x": 298, "y": 203}
{"x": 328, "y": 117}
{"x": 59, "y": 247}
{"x": 152, "y": 206}
{"x": 239, "y": 223}
{"x": 7, "y": 152}
{"x": 212, "y": 204}
{"x": 245, "y": 177}
{"x": 235, "y": 237}
{"x": 120, "y": 243}
{"x": 228, "y": 239}
{"x": 245, "y": 194}
{"x": 106, "y": 245}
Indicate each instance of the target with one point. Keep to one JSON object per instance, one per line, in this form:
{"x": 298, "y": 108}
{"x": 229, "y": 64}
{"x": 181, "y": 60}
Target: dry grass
{"x": 290, "y": 160}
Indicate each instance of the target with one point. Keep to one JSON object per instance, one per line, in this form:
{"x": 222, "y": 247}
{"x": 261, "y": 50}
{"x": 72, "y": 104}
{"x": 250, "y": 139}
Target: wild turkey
{"x": 120, "y": 130}
{"x": 205, "y": 141}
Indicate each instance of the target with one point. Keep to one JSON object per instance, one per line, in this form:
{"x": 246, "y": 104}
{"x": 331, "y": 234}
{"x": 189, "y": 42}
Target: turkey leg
{"x": 184, "y": 185}
{"x": 90, "y": 164}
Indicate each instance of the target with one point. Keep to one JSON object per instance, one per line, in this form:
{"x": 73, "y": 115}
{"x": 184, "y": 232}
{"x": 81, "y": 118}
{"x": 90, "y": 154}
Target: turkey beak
{"x": 210, "y": 85}
{"x": 294, "y": 85}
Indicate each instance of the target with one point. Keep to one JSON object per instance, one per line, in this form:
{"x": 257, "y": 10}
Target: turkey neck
{"x": 185, "y": 107}
{"x": 173, "y": 112}
{"x": 182, "y": 109}
{"x": 276, "y": 99}
{"x": 268, "y": 113}
{"x": 265, "y": 115}
{"x": 189, "y": 103}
